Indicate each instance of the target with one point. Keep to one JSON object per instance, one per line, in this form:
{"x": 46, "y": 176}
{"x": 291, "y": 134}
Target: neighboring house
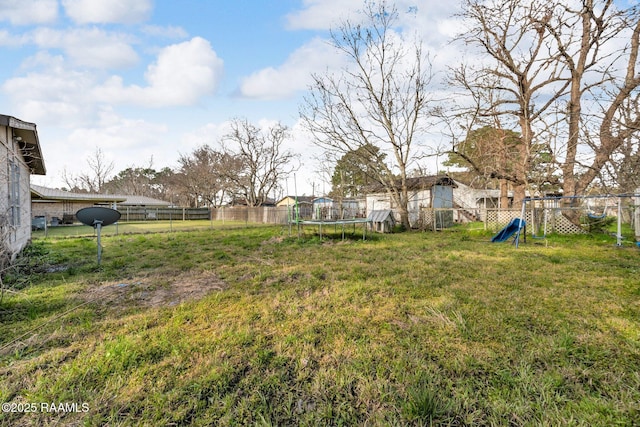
{"x": 322, "y": 208}
{"x": 477, "y": 198}
{"x": 60, "y": 206}
{"x": 326, "y": 208}
{"x": 304, "y": 205}
{"x": 143, "y": 208}
{"x": 20, "y": 157}
{"x": 142, "y": 201}
{"x": 242, "y": 202}
{"x": 424, "y": 192}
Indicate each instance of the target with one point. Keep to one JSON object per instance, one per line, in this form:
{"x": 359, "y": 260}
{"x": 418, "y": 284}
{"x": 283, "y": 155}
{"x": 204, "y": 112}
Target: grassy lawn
{"x": 133, "y": 227}
{"x": 253, "y": 327}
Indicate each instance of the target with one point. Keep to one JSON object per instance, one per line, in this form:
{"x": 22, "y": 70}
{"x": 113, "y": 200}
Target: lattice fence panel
{"x": 562, "y": 225}
{"x": 497, "y": 219}
{"x": 426, "y": 219}
{"x": 556, "y": 222}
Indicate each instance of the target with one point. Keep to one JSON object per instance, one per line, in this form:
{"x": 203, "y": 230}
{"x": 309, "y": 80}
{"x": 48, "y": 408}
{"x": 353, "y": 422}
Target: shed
{"x": 432, "y": 192}
{"x": 382, "y": 221}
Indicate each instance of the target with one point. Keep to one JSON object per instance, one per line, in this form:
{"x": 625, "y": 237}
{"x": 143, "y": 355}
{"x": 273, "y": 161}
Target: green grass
{"x": 403, "y": 329}
{"x": 138, "y": 227}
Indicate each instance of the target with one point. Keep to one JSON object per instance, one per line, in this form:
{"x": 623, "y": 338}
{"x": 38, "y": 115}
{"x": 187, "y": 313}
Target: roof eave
{"x": 28, "y": 141}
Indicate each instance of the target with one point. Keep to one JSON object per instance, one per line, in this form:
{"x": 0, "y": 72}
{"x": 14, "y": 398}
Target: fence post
{"x": 637, "y": 214}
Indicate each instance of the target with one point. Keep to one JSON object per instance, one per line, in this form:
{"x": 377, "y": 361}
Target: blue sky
{"x": 151, "y": 79}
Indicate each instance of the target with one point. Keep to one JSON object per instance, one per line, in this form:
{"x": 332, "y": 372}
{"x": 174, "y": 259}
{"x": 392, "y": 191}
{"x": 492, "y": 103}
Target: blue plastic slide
{"x": 513, "y": 227}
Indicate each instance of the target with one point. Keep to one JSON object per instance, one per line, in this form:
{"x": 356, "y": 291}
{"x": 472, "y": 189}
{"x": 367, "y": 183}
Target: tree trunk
{"x": 504, "y": 194}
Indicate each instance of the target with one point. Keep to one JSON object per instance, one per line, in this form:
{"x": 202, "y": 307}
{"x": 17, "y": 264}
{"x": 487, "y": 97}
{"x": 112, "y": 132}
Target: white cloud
{"x": 11, "y": 40}
{"x": 432, "y": 20}
{"x": 171, "y": 31}
{"x": 25, "y": 12}
{"x": 294, "y": 75}
{"x": 114, "y": 133}
{"x": 89, "y": 47}
{"x": 124, "y": 141}
{"x": 182, "y": 75}
{"x": 210, "y": 134}
{"x": 56, "y": 96}
{"x": 108, "y": 11}
{"x": 322, "y": 14}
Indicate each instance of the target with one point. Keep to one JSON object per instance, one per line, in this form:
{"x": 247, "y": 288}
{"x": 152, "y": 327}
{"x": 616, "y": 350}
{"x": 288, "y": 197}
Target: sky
{"x": 146, "y": 81}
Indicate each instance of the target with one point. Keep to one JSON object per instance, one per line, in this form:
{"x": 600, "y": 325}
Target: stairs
{"x": 470, "y": 215}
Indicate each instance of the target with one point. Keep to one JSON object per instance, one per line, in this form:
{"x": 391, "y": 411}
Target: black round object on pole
{"x": 97, "y": 215}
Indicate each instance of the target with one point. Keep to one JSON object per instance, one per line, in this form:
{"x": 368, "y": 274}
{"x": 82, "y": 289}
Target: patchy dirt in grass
{"x": 155, "y": 291}
{"x": 273, "y": 240}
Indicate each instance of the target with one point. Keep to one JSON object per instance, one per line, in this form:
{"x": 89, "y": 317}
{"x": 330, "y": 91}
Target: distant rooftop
{"x": 45, "y": 194}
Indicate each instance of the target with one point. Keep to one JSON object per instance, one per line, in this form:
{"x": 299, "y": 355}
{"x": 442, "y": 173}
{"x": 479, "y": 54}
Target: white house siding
{"x": 466, "y": 196}
{"x": 417, "y": 200}
{"x": 15, "y": 196}
{"x": 378, "y": 202}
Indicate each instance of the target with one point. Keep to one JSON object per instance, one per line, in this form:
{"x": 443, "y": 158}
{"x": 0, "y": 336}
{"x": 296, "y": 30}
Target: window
{"x": 14, "y": 193}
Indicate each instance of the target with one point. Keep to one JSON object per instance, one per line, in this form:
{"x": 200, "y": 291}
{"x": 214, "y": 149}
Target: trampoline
{"x": 335, "y": 223}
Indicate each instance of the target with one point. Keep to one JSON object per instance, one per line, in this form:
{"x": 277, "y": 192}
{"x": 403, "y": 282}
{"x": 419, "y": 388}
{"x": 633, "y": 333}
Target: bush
{"x": 32, "y": 260}
{"x": 596, "y": 224}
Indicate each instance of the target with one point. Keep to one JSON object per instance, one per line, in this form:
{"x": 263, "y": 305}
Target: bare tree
{"x": 518, "y": 81}
{"x": 565, "y": 67}
{"x": 622, "y": 170}
{"x": 379, "y": 101}
{"x": 202, "y": 175}
{"x": 490, "y": 153}
{"x": 264, "y": 162}
{"x": 100, "y": 171}
{"x": 93, "y": 180}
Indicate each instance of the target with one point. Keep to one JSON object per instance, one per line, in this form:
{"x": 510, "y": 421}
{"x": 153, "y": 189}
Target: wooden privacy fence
{"x": 131, "y": 213}
{"x": 260, "y": 214}
{"x": 542, "y": 219}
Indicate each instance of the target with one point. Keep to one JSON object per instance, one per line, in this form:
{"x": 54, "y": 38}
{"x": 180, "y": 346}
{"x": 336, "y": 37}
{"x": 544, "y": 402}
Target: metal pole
{"x": 295, "y": 190}
{"x": 619, "y": 234}
{"x": 524, "y": 207}
{"x": 98, "y": 230}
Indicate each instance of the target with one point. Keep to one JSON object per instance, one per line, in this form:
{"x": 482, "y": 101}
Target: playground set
{"x": 560, "y": 213}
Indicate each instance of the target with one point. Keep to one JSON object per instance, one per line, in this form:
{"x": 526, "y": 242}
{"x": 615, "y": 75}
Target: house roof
{"x": 380, "y": 215}
{"x": 241, "y": 201}
{"x": 28, "y": 141}
{"x": 322, "y": 199}
{"x": 39, "y": 193}
{"x": 143, "y": 201}
{"x": 300, "y": 199}
{"x": 420, "y": 183}
{"x": 44, "y": 194}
